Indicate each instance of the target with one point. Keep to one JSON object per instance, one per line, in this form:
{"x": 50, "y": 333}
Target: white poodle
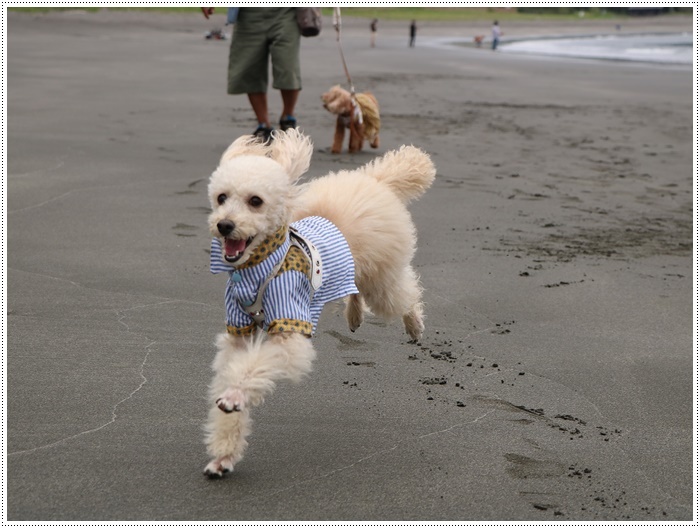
{"x": 289, "y": 249}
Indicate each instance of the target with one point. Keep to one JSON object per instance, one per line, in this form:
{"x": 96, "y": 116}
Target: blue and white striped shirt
{"x": 288, "y": 297}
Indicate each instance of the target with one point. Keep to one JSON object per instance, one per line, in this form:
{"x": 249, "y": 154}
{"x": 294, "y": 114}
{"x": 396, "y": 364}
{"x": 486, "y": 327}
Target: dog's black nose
{"x": 225, "y": 227}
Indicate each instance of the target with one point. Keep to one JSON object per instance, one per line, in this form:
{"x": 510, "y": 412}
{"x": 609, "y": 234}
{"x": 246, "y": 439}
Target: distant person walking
{"x": 412, "y": 33}
{"x": 261, "y": 34}
{"x": 496, "y": 34}
{"x": 373, "y": 32}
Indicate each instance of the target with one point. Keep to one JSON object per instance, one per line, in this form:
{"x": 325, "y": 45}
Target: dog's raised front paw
{"x": 232, "y": 400}
{"x": 218, "y": 467}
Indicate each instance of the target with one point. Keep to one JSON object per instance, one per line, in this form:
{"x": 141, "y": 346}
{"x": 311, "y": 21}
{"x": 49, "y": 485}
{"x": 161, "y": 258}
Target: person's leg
{"x": 259, "y": 103}
{"x": 286, "y": 68}
{"x": 289, "y": 102}
{"x": 249, "y": 63}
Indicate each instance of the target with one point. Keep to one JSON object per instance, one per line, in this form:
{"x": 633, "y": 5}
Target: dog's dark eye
{"x": 221, "y": 199}
{"x": 255, "y": 201}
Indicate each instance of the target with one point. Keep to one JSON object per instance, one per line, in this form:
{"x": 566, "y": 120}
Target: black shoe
{"x": 288, "y": 122}
{"x": 263, "y": 133}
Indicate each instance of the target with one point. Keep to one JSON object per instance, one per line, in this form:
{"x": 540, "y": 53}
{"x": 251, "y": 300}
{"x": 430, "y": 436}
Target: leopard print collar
{"x": 266, "y": 248}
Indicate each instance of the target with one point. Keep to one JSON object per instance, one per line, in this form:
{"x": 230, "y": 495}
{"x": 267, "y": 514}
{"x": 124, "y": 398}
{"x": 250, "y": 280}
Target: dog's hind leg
{"x": 354, "y": 312}
{"x": 338, "y": 136}
{"x": 413, "y": 317}
{"x": 357, "y": 132}
{"x": 413, "y": 322}
{"x": 397, "y": 295}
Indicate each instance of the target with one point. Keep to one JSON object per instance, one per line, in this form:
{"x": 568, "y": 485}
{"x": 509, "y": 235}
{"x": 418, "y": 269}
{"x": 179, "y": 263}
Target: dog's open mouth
{"x": 234, "y": 249}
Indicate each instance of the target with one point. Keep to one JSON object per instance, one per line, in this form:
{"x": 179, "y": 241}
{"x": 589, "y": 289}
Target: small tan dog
{"x": 360, "y": 115}
{"x": 296, "y": 247}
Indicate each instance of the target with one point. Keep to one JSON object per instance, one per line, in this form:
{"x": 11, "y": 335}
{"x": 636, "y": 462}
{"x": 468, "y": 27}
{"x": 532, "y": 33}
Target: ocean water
{"x": 658, "y": 48}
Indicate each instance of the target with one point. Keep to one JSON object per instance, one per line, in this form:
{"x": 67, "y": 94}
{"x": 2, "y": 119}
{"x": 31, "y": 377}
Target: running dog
{"x": 289, "y": 249}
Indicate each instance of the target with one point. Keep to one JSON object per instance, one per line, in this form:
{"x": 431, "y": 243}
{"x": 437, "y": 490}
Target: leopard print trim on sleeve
{"x": 243, "y": 331}
{"x": 290, "y": 325}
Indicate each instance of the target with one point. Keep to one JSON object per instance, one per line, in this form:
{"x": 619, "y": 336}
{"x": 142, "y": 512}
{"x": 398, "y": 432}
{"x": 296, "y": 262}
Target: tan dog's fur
{"x": 338, "y": 101}
{"x": 367, "y": 205}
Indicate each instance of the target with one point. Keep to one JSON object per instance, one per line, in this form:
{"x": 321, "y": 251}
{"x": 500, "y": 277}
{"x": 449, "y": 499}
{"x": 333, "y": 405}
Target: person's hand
{"x": 206, "y": 11}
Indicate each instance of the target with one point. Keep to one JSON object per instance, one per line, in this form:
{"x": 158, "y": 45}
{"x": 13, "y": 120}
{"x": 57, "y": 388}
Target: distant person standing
{"x": 495, "y": 35}
{"x": 412, "y": 33}
{"x": 373, "y": 32}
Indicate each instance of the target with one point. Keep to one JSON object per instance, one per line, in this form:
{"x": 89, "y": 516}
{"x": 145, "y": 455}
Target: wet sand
{"x": 554, "y": 381}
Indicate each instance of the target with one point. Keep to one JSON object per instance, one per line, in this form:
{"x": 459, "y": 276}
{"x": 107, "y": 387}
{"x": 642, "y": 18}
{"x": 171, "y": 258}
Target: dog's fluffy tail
{"x": 407, "y": 171}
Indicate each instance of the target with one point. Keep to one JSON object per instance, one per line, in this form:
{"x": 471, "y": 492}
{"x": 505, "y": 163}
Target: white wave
{"x": 669, "y": 49}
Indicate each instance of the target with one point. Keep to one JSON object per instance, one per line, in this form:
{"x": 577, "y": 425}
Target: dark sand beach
{"x": 555, "y": 378}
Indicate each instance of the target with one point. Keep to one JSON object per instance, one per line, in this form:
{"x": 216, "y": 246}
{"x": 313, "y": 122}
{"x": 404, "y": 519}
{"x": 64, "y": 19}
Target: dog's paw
{"x": 354, "y": 313}
{"x": 232, "y": 400}
{"x": 354, "y": 322}
{"x": 414, "y": 326}
{"x": 218, "y": 467}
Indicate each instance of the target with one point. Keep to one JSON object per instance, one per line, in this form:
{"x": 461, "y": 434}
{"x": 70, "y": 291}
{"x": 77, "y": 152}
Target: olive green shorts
{"x": 262, "y": 33}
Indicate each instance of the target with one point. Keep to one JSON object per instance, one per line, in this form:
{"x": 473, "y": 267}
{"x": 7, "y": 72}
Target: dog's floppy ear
{"x": 292, "y": 150}
{"x": 244, "y": 145}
